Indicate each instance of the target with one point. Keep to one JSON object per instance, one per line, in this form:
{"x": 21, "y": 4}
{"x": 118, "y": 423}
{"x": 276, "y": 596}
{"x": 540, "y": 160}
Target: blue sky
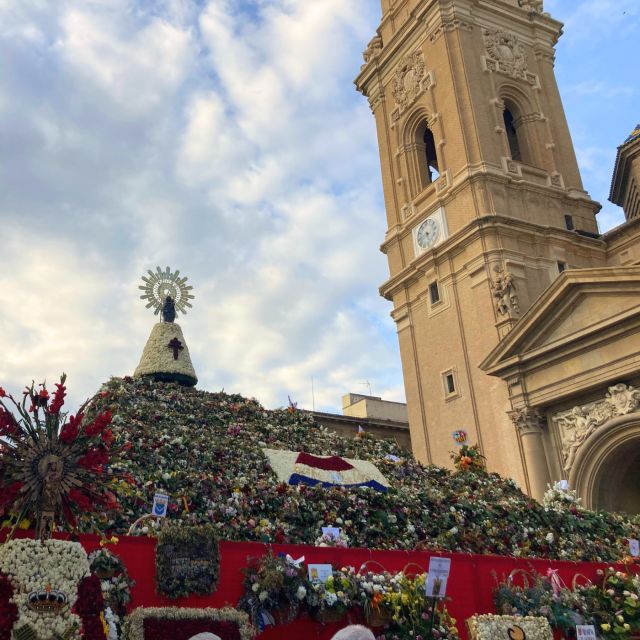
{"x": 227, "y": 140}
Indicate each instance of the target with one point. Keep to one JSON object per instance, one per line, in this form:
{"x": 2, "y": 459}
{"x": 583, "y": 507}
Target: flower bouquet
{"x": 468, "y": 458}
{"x": 532, "y": 594}
{"x": 329, "y": 601}
{"x": 414, "y": 614}
{"x": 615, "y": 604}
{"x": 275, "y": 587}
{"x": 114, "y": 580}
{"x": 373, "y": 591}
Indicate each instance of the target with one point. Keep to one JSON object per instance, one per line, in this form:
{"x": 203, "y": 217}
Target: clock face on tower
{"x": 428, "y": 233}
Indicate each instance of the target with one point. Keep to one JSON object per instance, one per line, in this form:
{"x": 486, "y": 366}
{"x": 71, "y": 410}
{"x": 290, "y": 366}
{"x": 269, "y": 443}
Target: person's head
{"x": 354, "y": 632}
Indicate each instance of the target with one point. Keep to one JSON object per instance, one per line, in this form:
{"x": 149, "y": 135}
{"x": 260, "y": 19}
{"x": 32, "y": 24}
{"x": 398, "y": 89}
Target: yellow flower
{"x": 606, "y": 627}
{"x": 24, "y": 523}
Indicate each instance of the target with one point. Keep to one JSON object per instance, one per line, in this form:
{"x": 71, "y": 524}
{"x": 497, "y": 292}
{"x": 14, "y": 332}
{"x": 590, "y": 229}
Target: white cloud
{"x": 224, "y": 139}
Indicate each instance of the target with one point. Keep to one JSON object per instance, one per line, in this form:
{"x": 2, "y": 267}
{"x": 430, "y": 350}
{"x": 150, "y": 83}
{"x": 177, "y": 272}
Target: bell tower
{"x": 485, "y": 207}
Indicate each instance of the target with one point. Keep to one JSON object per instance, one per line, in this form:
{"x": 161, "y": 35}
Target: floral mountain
{"x": 207, "y": 452}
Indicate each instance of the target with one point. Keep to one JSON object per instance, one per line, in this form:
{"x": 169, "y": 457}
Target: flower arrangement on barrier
{"x": 44, "y": 577}
{"x": 532, "y": 594}
{"x": 330, "y": 600}
{"x": 275, "y": 587}
{"x": 170, "y": 623}
{"x": 115, "y": 585}
{"x": 187, "y": 560}
{"x": 490, "y": 627}
{"x": 181, "y": 444}
{"x": 613, "y": 606}
{"x": 415, "y": 615}
{"x": 53, "y": 467}
{"x": 374, "y": 589}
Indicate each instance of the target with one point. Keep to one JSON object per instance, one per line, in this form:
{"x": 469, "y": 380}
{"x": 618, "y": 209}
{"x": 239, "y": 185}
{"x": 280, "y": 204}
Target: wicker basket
{"x": 327, "y": 616}
{"x": 377, "y": 618}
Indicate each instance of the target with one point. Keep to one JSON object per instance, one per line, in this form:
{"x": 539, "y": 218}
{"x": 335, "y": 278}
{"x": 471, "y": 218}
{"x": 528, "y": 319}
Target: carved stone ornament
{"x": 527, "y": 420}
{"x": 407, "y": 81}
{"x": 506, "y": 53}
{"x": 373, "y": 49}
{"x": 504, "y": 292}
{"x": 535, "y": 6}
{"x": 577, "y": 424}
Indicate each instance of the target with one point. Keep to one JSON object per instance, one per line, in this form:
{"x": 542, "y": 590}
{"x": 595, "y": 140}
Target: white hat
{"x": 354, "y": 632}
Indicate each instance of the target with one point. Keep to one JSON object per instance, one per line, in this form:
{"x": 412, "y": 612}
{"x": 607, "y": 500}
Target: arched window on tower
{"x": 515, "y": 148}
{"x": 430, "y": 155}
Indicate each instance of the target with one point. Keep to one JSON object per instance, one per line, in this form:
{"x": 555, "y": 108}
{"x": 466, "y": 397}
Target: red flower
{"x": 8, "y": 610}
{"x": 81, "y": 499}
{"x": 100, "y": 423}
{"x": 69, "y": 431}
{"x": 109, "y": 501}
{"x": 58, "y": 398}
{"x": 3, "y": 393}
{"x": 108, "y": 437}
{"x": 94, "y": 459}
{"x": 8, "y": 426}
{"x": 9, "y": 494}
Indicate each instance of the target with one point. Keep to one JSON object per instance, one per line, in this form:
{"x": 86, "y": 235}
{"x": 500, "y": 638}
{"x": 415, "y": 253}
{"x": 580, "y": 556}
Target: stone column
{"x": 529, "y": 424}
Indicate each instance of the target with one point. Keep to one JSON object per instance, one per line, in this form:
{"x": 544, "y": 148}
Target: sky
{"x": 226, "y": 139}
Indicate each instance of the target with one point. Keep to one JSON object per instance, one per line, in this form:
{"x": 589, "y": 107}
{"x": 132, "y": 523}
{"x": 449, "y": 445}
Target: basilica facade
{"x": 518, "y": 321}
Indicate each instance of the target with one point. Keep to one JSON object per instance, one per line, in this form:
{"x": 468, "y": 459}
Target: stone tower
{"x": 485, "y": 209}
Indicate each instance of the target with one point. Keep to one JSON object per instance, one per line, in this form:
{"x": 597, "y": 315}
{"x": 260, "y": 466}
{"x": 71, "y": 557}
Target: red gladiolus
{"x": 108, "y": 437}
{"x": 69, "y": 431}
{"x": 100, "y": 423}
{"x": 3, "y": 393}
{"x": 8, "y": 426}
{"x": 58, "y": 398}
{"x": 94, "y": 459}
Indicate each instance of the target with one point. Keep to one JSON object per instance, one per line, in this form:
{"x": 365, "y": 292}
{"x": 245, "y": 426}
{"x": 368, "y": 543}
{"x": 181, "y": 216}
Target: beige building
{"x": 517, "y": 320}
{"x": 379, "y": 418}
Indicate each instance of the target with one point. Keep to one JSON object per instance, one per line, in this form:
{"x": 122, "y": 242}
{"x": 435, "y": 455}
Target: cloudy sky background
{"x": 225, "y": 138}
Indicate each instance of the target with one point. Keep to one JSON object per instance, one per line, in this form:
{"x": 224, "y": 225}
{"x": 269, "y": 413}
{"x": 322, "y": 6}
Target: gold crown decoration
{"x": 47, "y": 600}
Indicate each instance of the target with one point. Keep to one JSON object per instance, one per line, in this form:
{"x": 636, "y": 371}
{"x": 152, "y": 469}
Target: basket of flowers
{"x": 275, "y": 588}
{"x": 330, "y": 600}
{"x": 374, "y": 584}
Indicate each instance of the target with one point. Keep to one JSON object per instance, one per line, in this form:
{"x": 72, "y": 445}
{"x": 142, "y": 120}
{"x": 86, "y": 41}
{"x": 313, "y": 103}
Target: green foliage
{"x": 187, "y": 560}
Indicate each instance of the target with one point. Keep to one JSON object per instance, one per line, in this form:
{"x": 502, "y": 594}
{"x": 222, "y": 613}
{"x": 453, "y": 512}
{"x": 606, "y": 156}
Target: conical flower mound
{"x": 206, "y": 451}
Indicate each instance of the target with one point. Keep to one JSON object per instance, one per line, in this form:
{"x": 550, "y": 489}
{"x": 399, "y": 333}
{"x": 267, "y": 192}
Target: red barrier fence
{"x": 470, "y": 585}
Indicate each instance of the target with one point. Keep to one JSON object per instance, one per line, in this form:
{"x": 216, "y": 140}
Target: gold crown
{"x": 47, "y": 601}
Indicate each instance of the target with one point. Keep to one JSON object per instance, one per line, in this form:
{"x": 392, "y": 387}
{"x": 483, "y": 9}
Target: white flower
{"x": 549, "y": 537}
{"x": 301, "y": 593}
{"x": 263, "y": 596}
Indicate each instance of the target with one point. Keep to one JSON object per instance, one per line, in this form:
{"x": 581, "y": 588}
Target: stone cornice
{"x": 479, "y": 227}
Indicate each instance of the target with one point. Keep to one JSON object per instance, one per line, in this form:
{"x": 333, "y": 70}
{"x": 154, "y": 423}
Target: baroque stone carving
{"x": 527, "y": 420}
{"x": 577, "y": 424}
{"x": 373, "y": 49}
{"x": 532, "y": 5}
{"x": 407, "y": 82}
{"x": 506, "y": 52}
{"x": 504, "y": 292}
